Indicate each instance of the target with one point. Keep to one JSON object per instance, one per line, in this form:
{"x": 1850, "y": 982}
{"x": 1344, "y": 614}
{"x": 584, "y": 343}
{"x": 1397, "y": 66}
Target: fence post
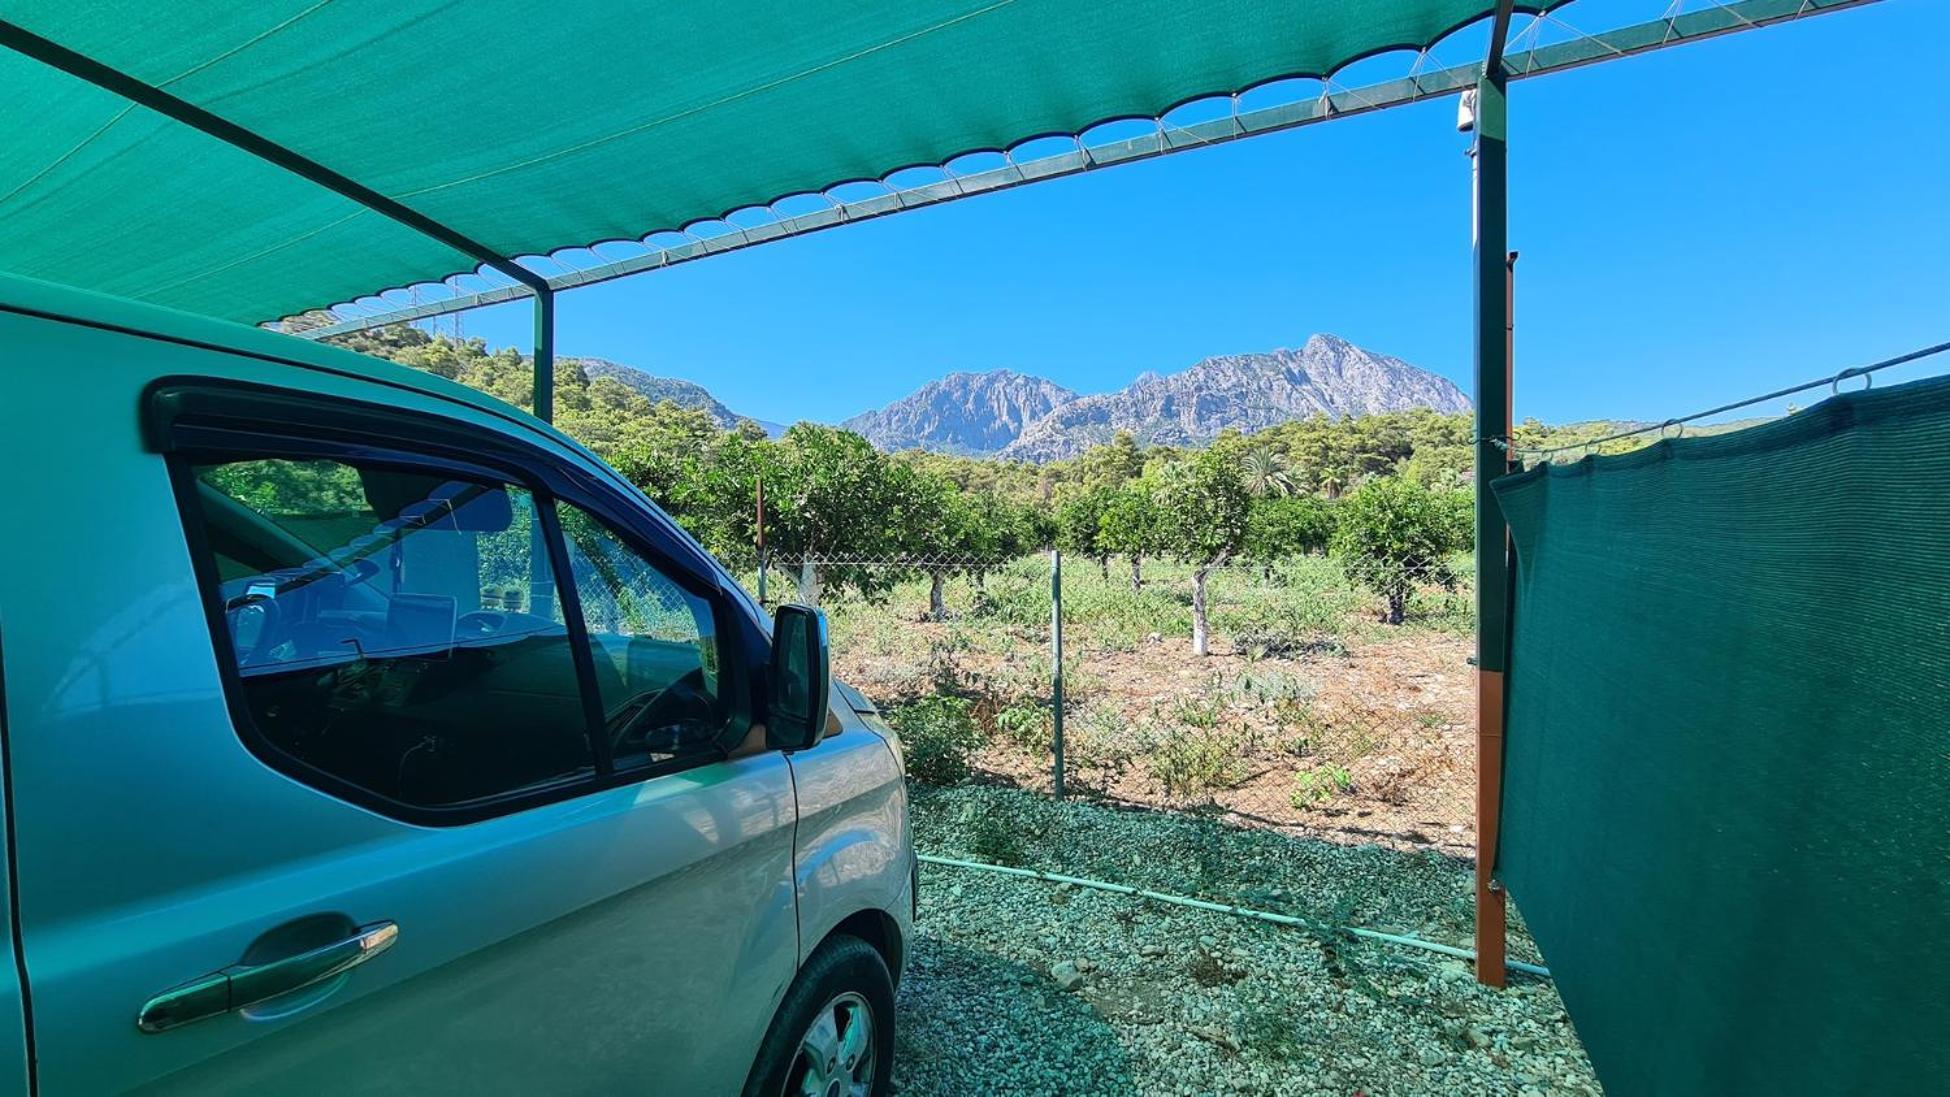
{"x": 762, "y": 555}
{"x": 1492, "y": 393}
{"x": 1056, "y": 670}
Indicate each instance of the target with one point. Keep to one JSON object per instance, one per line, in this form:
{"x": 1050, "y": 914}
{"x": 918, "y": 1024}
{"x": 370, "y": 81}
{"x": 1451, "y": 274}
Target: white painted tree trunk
{"x": 1200, "y": 632}
{"x": 809, "y": 583}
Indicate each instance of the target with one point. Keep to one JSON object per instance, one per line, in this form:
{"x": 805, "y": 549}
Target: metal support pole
{"x": 1056, "y": 671}
{"x": 545, "y": 353}
{"x": 1492, "y": 276}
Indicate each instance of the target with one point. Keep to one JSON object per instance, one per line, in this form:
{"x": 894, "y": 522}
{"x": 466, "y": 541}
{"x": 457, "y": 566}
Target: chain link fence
{"x": 1309, "y": 711}
{"x": 1317, "y": 758}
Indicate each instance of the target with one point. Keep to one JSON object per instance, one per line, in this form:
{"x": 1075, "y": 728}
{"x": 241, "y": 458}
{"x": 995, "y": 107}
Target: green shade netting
{"x": 533, "y": 127}
{"x": 1726, "y": 809}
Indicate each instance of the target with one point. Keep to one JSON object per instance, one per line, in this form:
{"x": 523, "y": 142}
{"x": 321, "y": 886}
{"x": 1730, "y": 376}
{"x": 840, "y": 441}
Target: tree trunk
{"x": 1200, "y": 633}
{"x": 937, "y": 605}
{"x": 1137, "y": 573}
{"x": 1397, "y": 608}
{"x": 809, "y": 583}
{"x": 1103, "y": 565}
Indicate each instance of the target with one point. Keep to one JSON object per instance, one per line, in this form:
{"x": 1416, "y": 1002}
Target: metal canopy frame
{"x": 1587, "y": 49}
{"x": 1675, "y": 29}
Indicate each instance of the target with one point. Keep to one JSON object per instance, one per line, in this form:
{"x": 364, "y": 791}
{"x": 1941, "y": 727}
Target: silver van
{"x": 364, "y": 735}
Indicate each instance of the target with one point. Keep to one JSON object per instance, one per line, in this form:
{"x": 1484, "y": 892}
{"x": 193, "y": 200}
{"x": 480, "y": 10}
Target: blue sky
{"x": 1696, "y": 225}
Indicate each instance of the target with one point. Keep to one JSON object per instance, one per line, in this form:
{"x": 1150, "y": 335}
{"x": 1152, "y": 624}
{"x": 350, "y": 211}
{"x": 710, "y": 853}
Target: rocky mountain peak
{"x": 968, "y": 413}
{"x": 1018, "y": 416}
{"x": 1326, "y": 376}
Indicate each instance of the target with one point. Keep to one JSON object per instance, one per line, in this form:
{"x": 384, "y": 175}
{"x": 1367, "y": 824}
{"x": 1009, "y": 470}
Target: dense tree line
{"x": 1388, "y": 491}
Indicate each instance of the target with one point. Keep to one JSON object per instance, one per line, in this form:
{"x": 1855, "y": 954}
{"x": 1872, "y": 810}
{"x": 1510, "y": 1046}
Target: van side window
{"x": 655, "y": 648}
{"x": 395, "y": 628}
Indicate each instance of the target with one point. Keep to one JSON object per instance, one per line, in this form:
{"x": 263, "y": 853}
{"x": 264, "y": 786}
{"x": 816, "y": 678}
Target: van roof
{"x": 33, "y": 297}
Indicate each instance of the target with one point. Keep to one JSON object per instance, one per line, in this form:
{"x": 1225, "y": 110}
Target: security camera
{"x": 1466, "y": 111}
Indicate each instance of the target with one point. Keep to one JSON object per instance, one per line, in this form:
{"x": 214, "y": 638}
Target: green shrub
{"x": 1100, "y": 737}
{"x": 939, "y": 739}
{"x": 1314, "y": 787}
{"x": 1270, "y": 687}
{"x": 1346, "y": 742}
{"x": 1201, "y": 710}
{"x": 1025, "y": 722}
{"x": 1195, "y": 762}
{"x": 997, "y": 840}
{"x": 1275, "y": 1034}
{"x": 944, "y": 665}
{"x": 1023, "y": 673}
{"x": 1208, "y": 970}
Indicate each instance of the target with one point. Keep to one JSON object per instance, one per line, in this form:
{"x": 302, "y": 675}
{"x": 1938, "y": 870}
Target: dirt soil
{"x": 1361, "y": 738}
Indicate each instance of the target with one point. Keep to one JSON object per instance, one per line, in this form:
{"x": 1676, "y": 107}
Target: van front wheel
{"x": 834, "y": 1033}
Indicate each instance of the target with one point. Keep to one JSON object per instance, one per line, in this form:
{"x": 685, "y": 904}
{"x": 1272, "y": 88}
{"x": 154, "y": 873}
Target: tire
{"x": 844, "y": 982}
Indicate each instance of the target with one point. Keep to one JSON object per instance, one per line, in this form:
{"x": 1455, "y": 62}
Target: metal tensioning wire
{"x": 1834, "y": 383}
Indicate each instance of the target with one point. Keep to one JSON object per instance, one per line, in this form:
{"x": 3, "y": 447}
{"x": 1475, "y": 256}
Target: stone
{"x": 1066, "y": 975}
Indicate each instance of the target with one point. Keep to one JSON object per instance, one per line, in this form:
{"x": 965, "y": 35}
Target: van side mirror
{"x": 802, "y": 677}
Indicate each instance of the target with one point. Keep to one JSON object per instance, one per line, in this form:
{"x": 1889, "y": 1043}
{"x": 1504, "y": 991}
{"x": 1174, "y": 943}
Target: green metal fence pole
{"x": 1056, "y": 670}
{"x": 1492, "y": 274}
{"x": 763, "y": 563}
{"x": 545, "y": 353}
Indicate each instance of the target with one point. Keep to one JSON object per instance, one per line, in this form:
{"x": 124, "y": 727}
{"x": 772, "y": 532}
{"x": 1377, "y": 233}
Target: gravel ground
{"x": 1017, "y": 986}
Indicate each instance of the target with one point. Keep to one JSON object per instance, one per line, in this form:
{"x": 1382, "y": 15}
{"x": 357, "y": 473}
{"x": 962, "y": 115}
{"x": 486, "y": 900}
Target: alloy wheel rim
{"x": 835, "y": 1057}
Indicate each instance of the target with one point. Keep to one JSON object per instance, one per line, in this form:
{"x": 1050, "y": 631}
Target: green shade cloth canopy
{"x": 1726, "y": 799}
{"x": 535, "y": 127}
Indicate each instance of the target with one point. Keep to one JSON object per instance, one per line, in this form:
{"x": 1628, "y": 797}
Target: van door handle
{"x": 243, "y": 985}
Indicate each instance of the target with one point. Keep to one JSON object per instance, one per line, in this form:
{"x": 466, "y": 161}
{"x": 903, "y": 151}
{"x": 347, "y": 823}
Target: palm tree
{"x": 1266, "y": 472}
{"x": 1333, "y": 480}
